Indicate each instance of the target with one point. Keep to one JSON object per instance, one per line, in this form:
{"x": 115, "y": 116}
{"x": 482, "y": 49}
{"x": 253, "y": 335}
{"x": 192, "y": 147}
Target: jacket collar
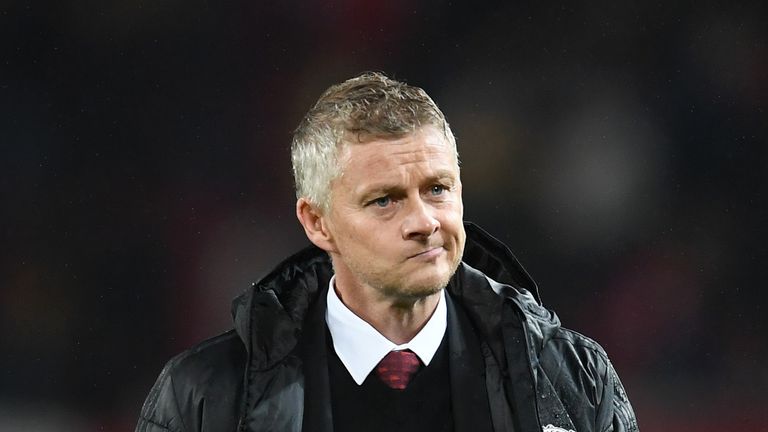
{"x": 495, "y": 260}
{"x": 268, "y": 317}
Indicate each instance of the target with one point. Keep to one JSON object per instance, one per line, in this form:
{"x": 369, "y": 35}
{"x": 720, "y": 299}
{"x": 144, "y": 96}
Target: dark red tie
{"x": 397, "y": 368}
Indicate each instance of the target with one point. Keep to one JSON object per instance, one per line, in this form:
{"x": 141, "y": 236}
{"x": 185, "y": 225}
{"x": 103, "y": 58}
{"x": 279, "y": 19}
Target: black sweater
{"x": 423, "y": 406}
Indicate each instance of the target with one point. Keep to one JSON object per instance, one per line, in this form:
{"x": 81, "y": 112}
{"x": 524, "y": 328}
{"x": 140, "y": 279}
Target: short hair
{"x": 370, "y": 105}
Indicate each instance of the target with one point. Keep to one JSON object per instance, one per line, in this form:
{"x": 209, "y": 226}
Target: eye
{"x": 437, "y": 190}
{"x": 381, "y": 201}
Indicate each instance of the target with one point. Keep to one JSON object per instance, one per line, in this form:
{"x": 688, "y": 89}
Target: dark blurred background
{"x": 619, "y": 148}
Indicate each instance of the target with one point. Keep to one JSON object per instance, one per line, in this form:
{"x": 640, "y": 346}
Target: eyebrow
{"x": 376, "y": 190}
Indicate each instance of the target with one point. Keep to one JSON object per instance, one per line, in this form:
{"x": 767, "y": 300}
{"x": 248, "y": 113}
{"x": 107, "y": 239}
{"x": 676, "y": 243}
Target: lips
{"x": 428, "y": 253}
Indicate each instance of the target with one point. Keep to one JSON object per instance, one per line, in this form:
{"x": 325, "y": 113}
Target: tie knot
{"x": 397, "y": 368}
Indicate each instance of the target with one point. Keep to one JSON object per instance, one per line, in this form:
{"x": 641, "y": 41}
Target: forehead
{"x": 423, "y": 148}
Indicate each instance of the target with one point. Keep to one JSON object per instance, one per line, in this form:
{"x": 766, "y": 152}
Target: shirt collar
{"x": 361, "y": 347}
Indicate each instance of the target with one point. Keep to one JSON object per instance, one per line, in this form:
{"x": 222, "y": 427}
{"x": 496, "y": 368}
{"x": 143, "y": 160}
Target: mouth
{"x": 428, "y": 253}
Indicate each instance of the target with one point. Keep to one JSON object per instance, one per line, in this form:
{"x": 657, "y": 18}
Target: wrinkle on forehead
{"x": 398, "y": 159}
{"x": 387, "y": 154}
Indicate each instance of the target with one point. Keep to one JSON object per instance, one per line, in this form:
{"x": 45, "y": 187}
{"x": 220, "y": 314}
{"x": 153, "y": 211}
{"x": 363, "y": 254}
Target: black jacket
{"x": 539, "y": 375}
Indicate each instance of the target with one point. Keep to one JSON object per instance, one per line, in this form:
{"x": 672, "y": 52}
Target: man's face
{"x": 396, "y": 214}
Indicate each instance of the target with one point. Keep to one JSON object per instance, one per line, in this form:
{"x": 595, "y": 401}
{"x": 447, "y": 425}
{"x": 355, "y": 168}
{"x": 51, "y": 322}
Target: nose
{"x": 420, "y": 222}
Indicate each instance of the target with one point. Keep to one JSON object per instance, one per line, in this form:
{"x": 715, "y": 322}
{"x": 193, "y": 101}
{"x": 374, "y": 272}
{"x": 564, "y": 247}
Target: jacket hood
{"x": 268, "y": 316}
{"x": 491, "y": 276}
{"x": 495, "y": 260}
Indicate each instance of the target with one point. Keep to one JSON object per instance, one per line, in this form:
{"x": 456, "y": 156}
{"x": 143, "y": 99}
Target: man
{"x": 400, "y": 317}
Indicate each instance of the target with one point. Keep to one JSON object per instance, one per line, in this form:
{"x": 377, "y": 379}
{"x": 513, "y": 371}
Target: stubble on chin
{"x": 411, "y": 294}
{"x": 402, "y": 290}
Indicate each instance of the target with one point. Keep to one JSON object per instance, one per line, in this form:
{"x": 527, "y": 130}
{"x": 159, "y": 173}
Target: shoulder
{"x": 571, "y": 358}
{"x": 209, "y": 367}
{"x": 565, "y": 339}
{"x": 205, "y": 380}
{"x": 210, "y": 359}
{"x": 580, "y": 371}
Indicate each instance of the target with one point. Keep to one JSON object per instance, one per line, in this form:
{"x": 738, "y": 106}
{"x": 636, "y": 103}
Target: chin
{"x": 412, "y": 292}
{"x": 422, "y": 287}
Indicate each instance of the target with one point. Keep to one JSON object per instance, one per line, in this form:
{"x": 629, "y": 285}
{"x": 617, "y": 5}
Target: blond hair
{"x": 370, "y": 105}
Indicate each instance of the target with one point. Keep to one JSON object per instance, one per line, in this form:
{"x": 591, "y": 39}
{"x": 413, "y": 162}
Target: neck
{"x": 397, "y": 319}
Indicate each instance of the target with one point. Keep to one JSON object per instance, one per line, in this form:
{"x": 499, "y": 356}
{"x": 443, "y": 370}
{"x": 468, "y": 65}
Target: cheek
{"x": 364, "y": 235}
{"x": 454, "y": 214}
{"x": 459, "y": 204}
{"x": 453, "y": 225}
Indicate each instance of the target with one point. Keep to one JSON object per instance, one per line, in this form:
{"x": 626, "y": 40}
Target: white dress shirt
{"x": 361, "y": 347}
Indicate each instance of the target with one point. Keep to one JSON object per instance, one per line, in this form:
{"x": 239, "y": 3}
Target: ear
{"x": 315, "y": 225}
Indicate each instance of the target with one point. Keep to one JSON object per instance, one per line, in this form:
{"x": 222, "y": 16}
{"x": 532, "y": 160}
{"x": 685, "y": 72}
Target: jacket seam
{"x": 154, "y": 423}
{"x": 241, "y": 423}
{"x": 582, "y": 342}
{"x": 176, "y": 403}
{"x": 529, "y": 352}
